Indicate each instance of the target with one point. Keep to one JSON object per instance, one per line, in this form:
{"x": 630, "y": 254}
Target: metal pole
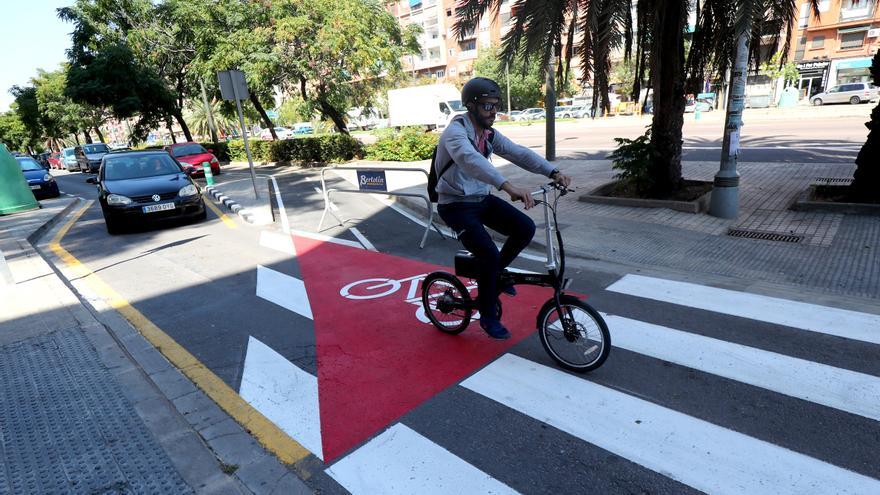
{"x": 247, "y": 148}
{"x": 550, "y": 110}
{"x": 507, "y": 76}
{"x": 724, "y": 202}
{"x": 208, "y": 112}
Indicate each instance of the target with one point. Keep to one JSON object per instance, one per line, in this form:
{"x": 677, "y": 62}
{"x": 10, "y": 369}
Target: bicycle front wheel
{"x": 447, "y": 302}
{"x": 578, "y": 339}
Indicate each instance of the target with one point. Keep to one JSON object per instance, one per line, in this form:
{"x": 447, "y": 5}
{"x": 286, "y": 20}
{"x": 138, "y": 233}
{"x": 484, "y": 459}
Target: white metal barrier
{"x": 373, "y": 181}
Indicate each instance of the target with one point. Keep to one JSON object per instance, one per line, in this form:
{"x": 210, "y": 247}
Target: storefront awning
{"x": 854, "y": 64}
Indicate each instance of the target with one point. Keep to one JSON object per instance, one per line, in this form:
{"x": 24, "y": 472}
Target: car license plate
{"x": 35, "y": 188}
{"x": 158, "y": 207}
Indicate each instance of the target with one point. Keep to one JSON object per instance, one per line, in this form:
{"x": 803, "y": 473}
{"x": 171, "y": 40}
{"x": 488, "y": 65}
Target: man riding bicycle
{"x": 465, "y": 202}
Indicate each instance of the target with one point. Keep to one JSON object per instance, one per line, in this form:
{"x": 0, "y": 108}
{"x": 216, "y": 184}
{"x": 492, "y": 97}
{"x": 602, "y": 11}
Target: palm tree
{"x": 545, "y": 27}
{"x": 197, "y": 116}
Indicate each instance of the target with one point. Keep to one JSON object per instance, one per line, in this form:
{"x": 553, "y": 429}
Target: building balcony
{"x": 467, "y": 55}
{"x": 864, "y": 11}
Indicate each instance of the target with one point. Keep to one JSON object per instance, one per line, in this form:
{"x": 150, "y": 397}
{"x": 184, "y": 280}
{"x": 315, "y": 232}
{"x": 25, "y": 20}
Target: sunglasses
{"x": 487, "y": 107}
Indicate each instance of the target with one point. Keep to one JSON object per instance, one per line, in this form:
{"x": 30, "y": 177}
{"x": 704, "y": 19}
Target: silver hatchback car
{"x": 853, "y": 93}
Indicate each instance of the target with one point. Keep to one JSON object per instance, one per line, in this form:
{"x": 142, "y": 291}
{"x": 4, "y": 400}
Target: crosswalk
{"x": 706, "y": 455}
{"x": 777, "y": 423}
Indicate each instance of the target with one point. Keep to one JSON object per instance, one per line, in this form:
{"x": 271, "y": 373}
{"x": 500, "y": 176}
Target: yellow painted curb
{"x": 266, "y": 432}
{"x": 226, "y": 220}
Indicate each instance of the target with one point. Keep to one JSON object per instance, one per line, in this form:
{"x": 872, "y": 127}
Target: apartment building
{"x": 443, "y": 54}
{"x": 837, "y": 47}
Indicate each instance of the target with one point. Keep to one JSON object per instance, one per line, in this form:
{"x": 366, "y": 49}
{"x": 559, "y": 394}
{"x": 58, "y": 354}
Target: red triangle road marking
{"x": 376, "y": 360}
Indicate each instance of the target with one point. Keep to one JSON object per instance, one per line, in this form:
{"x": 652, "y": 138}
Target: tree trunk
{"x": 76, "y": 138}
{"x": 265, "y": 117}
{"x": 667, "y": 74}
{"x": 178, "y": 116}
{"x": 866, "y": 179}
{"x": 87, "y": 136}
{"x": 327, "y": 110}
{"x": 170, "y": 127}
{"x": 209, "y": 113}
{"x": 99, "y": 133}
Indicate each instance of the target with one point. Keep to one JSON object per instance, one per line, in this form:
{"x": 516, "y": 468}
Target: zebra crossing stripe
{"x": 823, "y": 319}
{"x": 846, "y": 390}
{"x": 283, "y": 393}
{"x": 401, "y": 461}
{"x": 278, "y": 241}
{"x": 695, "y": 452}
{"x": 283, "y": 290}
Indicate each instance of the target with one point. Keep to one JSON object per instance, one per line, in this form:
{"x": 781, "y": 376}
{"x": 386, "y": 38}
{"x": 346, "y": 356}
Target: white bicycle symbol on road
{"x": 375, "y": 288}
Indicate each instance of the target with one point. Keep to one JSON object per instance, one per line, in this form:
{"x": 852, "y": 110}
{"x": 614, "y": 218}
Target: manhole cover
{"x": 766, "y": 236}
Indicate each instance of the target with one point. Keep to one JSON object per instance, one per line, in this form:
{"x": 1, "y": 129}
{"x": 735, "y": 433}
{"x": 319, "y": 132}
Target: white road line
{"x": 278, "y": 242}
{"x": 284, "y": 393}
{"x": 841, "y": 389}
{"x": 695, "y": 452}
{"x": 401, "y": 461}
{"x": 333, "y": 207}
{"x": 283, "y": 290}
{"x": 366, "y": 242}
{"x": 823, "y": 319}
{"x": 327, "y": 238}
{"x": 285, "y": 224}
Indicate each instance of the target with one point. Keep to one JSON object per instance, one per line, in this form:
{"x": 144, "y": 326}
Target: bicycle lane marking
{"x": 377, "y": 358}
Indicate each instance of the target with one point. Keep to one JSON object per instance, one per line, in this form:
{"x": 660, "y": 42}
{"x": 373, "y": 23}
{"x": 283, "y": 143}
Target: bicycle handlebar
{"x": 552, "y": 185}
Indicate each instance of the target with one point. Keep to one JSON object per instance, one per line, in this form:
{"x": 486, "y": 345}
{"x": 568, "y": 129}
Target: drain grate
{"x": 766, "y": 236}
{"x": 832, "y": 181}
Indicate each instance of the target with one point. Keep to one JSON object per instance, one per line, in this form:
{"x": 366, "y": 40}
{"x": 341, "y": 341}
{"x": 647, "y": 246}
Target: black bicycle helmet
{"x": 479, "y": 87}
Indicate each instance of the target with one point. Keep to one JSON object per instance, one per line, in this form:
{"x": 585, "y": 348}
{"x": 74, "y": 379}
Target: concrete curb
{"x": 231, "y": 204}
{"x": 34, "y": 237}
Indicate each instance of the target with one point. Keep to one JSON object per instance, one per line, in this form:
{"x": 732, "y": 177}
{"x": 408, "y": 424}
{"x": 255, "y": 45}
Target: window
{"x": 850, "y": 41}
{"x": 441, "y": 73}
{"x": 451, "y": 52}
{"x": 818, "y": 42}
{"x": 804, "y": 17}
{"x": 468, "y": 45}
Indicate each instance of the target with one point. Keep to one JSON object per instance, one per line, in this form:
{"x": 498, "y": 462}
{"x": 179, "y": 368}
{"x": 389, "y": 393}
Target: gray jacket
{"x": 471, "y": 175}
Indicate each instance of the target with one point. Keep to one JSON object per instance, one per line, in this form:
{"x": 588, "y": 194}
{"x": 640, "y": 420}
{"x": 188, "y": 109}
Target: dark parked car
{"x": 41, "y": 182}
{"x": 145, "y": 186}
{"x": 89, "y": 156}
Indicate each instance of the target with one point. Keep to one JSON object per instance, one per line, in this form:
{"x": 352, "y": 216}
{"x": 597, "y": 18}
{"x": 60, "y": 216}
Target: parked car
{"x": 43, "y": 158}
{"x": 55, "y": 161}
{"x": 145, "y": 186}
{"x": 194, "y": 155}
{"x": 42, "y": 183}
{"x": 68, "y": 159}
{"x": 281, "y": 132}
{"x": 692, "y": 105}
{"x": 514, "y": 115}
{"x": 573, "y": 112}
{"x": 303, "y": 128}
{"x": 853, "y": 93}
{"x": 89, "y": 156}
{"x": 532, "y": 114}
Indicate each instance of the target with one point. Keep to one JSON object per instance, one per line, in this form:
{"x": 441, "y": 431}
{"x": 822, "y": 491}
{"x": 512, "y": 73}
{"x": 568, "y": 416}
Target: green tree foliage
{"x": 13, "y": 132}
{"x": 137, "y": 36}
{"x": 526, "y": 82}
{"x": 28, "y": 111}
{"x": 339, "y": 53}
{"x": 59, "y": 114}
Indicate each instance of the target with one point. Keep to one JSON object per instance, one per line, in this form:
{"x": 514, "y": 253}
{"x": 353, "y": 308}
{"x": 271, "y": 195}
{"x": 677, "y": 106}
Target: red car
{"x": 55, "y": 161}
{"x": 195, "y": 155}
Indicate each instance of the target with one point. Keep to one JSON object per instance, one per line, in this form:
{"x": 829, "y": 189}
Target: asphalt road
{"x": 403, "y": 407}
{"x": 809, "y": 135}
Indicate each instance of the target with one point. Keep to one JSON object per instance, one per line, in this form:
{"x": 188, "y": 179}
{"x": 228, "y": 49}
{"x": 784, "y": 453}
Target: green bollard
{"x": 15, "y": 194}
{"x": 209, "y": 176}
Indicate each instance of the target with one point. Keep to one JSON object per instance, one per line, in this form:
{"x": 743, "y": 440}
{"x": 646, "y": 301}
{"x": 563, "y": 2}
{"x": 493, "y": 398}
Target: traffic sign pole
{"x": 233, "y": 86}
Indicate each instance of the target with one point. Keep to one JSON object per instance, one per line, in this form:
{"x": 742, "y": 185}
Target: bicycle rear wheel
{"x": 579, "y": 341}
{"x": 447, "y": 302}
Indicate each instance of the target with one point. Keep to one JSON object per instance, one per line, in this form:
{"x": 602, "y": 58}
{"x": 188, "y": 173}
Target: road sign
{"x": 233, "y": 85}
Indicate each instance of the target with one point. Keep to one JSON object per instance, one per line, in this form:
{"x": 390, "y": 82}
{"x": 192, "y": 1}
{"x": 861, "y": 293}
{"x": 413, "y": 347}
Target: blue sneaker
{"x": 495, "y": 329}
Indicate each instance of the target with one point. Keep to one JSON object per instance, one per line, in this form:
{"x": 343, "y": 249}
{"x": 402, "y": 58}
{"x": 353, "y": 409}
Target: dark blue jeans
{"x": 468, "y": 220}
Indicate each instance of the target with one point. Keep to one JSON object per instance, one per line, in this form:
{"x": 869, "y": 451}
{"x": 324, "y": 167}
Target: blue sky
{"x": 31, "y": 37}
